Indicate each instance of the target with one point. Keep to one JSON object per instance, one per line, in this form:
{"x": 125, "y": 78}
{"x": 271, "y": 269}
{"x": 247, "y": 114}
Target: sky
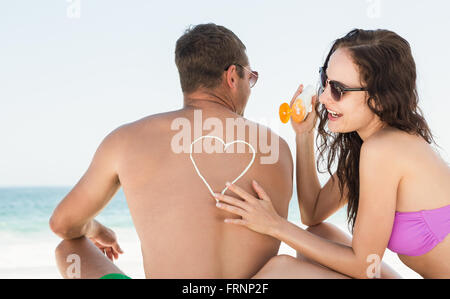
{"x": 73, "y": 71}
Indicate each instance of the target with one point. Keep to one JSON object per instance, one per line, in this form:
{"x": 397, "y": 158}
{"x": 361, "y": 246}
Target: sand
{"x": 34, "y": 257}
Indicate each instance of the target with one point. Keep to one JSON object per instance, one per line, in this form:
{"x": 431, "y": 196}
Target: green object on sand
{"x": 115, "y": 276}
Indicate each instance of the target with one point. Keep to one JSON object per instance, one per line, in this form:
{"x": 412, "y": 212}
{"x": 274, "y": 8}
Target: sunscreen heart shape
{"x": 226, "y": 145}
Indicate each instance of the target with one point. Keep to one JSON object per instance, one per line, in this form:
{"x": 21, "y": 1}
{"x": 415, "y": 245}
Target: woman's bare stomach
{"x": 433, "y": 264}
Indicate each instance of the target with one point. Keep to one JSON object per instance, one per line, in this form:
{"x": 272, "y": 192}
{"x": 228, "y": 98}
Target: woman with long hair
{"x": 396, "y": 187}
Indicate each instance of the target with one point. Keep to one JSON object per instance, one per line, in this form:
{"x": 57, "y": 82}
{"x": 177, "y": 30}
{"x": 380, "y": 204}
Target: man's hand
{"x": 105, "y": 239}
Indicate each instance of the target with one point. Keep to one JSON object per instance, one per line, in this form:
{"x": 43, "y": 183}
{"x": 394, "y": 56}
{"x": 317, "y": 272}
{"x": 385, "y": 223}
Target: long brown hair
{"x": 388, "y": 71}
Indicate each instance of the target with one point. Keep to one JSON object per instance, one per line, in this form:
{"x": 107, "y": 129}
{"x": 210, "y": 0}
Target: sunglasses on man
{"x": 253, "y": 74}
{"x": 337, "y": 89}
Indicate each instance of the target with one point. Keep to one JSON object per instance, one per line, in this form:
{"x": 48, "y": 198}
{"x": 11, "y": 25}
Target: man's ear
{"x": 230, "y": 77}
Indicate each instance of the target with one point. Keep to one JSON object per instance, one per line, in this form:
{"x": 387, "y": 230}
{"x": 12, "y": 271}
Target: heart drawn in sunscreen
{"x": 225, "y": 147}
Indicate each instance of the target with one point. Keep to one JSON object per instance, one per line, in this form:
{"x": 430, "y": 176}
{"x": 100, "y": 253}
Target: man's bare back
{"x": 182, "y": 233}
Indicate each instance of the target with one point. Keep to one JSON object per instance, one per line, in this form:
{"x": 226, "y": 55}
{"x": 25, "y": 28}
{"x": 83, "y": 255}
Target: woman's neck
{"x": 371, "y": 129}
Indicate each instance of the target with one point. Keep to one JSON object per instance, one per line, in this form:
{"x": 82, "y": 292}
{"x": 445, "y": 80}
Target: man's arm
{"x": 74, "y": 216}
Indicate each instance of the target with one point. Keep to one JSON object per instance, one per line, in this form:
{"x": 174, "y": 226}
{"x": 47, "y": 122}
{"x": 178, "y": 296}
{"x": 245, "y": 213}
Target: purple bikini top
{"x": 416, "y": 233}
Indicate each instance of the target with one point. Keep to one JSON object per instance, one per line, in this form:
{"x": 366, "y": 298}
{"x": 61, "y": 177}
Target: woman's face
{"x": 352, "y": 109}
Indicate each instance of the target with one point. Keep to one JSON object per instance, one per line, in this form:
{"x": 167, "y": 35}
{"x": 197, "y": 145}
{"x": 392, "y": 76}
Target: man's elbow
{"x": 59, "y": 228}
{"x": 54, "y": 225}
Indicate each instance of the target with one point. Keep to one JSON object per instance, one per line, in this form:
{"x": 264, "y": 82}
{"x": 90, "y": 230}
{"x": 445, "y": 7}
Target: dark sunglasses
{"x": 253, "y": 74}
{"x": 337, "y": 89}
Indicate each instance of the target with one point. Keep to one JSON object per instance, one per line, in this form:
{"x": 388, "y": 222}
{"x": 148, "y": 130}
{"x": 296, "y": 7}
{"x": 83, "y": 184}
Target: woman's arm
{"x": 316, "y": 203}
{"x": 379, "y": 180}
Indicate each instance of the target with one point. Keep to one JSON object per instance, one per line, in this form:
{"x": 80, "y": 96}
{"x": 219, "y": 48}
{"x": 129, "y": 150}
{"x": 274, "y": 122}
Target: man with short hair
{"x": 167, "y": 183}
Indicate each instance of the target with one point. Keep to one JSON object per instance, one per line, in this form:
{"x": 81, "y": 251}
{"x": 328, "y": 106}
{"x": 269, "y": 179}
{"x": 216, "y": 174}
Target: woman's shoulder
{"x": 393, "y": 145}
{"x": 392, "y": 139}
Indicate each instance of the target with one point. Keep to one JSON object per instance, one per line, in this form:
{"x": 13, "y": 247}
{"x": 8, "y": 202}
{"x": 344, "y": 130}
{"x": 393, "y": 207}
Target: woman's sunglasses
{"x": 337, "y": 90}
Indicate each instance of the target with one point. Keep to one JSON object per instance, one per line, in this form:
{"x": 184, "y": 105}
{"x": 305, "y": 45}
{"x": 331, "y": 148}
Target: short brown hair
{"x": 203, "y": 52}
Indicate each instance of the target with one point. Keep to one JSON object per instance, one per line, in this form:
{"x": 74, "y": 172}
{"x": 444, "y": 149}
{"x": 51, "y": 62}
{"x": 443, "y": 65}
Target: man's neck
{"x": 204, "y": 99}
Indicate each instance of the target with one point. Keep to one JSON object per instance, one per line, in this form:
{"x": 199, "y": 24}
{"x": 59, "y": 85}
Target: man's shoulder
{"x": 266, "y": 131}
{"x": 275, "y": 139}
{"x": 154, "y": 121}
{"x": 156, "y": 118}
{"x": 125, "y": 131}
{"x": 272, "y": 148}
